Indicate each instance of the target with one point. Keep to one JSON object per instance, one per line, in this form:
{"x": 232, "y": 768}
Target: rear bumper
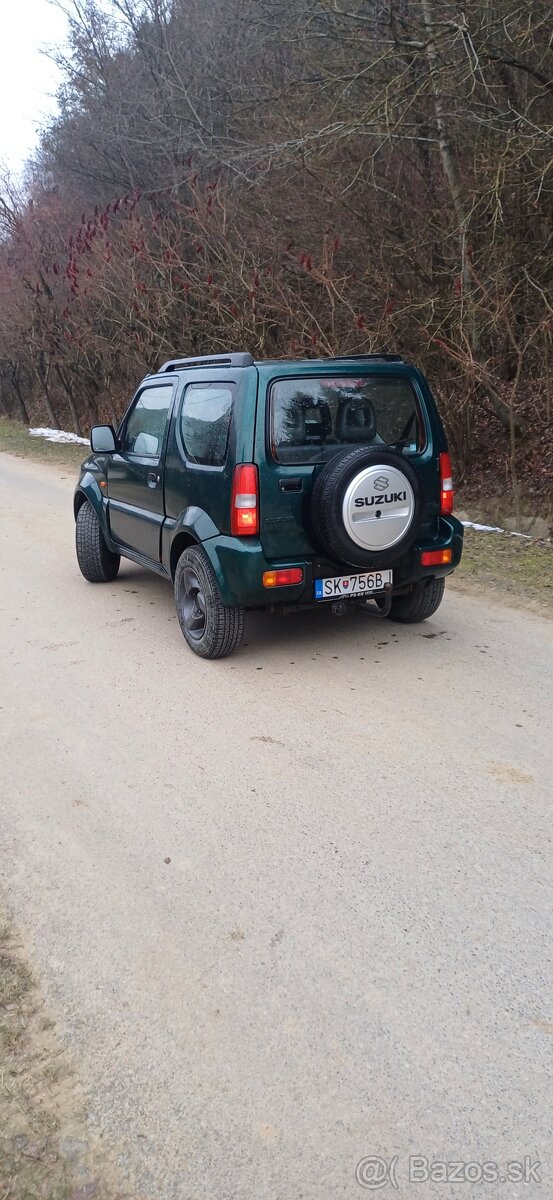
{"x": 239, "y": 564}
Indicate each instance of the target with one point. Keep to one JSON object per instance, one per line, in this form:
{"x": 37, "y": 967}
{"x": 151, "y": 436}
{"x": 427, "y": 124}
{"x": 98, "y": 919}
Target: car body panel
{"x": 135, "y": 485}
{"x": 135, "y": 507}
{"x": 239, "y": 565}
{"x": 208, "y": 488}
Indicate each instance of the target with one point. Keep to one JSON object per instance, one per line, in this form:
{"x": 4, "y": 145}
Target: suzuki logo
{"x": 381, "y": 483}
{"x": 369, "y": 501}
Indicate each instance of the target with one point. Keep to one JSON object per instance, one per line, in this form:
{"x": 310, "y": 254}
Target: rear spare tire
{"x": 365, "y": 507}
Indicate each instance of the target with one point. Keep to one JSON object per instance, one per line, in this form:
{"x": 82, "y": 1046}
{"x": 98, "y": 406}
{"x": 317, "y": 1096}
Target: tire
{"x": 211, "y": 628}
{"x": 327, "y": 506}
{"x": 419, "y": 603}
{"x": 97, "y": 563}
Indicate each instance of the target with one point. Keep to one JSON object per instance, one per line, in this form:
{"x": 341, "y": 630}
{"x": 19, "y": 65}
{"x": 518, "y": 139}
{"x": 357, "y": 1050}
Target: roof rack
{"x": 361, "y": 357}
{"x": 208, "y": 360}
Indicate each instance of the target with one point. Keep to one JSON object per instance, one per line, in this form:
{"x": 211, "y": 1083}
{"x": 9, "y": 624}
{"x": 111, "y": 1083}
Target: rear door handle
{"x": 153, "y": 479}
{"x": 290, "y": 485}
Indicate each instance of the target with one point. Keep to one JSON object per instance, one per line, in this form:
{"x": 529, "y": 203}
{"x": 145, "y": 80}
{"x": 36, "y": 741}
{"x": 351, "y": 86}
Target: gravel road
{"x": 349, "y": 953}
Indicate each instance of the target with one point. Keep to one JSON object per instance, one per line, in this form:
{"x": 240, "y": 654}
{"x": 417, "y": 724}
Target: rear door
{"x": 312, "y": 414}
{"x": 135, "y": 471}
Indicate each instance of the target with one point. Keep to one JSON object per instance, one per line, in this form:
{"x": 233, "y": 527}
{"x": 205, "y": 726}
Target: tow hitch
{"x": 339, "y": 608}
{"x": 379, "y": 605}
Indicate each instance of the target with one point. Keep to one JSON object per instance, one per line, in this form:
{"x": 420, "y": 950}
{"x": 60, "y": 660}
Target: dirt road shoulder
{"x": 517, "y": 571}
{"x": 46, "y": 1147}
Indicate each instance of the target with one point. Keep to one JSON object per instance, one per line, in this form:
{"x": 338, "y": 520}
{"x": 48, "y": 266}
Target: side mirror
{"x": 102, "y": 439}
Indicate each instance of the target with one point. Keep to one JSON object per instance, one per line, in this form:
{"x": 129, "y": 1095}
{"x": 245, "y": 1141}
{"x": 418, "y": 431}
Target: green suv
{"x": 274, "y": 485}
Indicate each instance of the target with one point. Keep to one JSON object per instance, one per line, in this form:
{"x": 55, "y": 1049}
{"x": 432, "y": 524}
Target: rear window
{"x": 205, "y": 417}
{"x": 311, "y": 419}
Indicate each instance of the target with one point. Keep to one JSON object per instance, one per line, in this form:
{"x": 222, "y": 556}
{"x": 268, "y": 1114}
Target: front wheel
{"x": 212, "y": 628}
{"x": 419, "y": 603}
{"x": 97, "y": 563}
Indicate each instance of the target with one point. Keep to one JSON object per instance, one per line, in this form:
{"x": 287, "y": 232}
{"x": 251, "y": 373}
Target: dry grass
{"x": 14, "y": 439}
{"x": 46, "y": 1149}
{"x": 519, "y": 568}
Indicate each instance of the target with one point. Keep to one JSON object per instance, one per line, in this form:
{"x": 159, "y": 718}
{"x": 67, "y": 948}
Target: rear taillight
{"x": 446, "y": 485}
{"x": 244, "y": 505}
{"x": 287, "y": 577}
{"x": 436, "y": 558}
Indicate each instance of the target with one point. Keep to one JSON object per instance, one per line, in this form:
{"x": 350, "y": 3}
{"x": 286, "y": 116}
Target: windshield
{"x": 311, "y": 419}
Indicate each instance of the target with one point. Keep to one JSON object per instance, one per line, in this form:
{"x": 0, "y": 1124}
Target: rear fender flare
{"x": 193, "y": 527}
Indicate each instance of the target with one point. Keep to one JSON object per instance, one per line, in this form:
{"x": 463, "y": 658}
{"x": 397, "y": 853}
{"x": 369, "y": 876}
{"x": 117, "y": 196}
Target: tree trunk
{"x": 71, "y": 401}
{"x": 19, "y": 395}
{"x": 3, "y": 401}
{"x": 451, "y": 171}
{"x": 43, "y": 371}
{"x": 447, "y": 153}
{"x": 111, "y": 408}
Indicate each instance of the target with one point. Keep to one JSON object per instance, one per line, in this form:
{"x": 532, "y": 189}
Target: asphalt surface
{"x": 349, "y": 953}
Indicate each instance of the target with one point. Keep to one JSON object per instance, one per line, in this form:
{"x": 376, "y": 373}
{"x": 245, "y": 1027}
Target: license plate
{"x": 352, "y": 585}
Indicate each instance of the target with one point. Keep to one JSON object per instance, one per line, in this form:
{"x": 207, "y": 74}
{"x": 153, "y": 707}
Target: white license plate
{"x": 352, "y": 585}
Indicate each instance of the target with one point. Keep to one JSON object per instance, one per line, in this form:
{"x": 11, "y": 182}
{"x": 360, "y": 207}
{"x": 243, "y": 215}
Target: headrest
{"x": 146, "y": 443}
{"x": 307, "y": 422}
{"x": 355, "y": 420}
{"x": 318, "y": 422}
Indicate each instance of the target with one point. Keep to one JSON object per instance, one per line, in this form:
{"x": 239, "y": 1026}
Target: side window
{"x": 145, "y": 428}
{"x": 205, "y": 418}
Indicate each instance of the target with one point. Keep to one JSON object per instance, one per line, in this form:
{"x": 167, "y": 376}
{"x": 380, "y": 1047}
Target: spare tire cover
{"x": 365, "y": 506}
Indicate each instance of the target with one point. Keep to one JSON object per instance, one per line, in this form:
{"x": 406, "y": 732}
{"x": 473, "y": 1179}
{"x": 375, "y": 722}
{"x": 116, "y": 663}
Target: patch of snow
{"x": 483, "y": 528}
{"x": 57, "y": 435}
{"x": 497, "y": 529}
